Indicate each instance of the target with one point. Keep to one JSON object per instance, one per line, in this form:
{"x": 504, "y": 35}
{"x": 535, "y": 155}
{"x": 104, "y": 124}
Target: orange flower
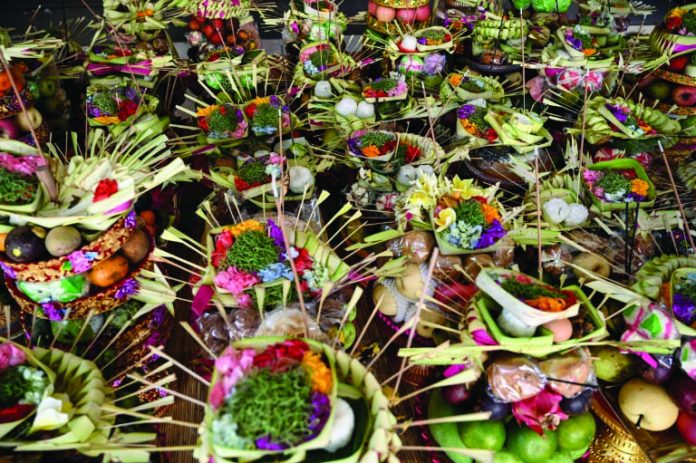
{"x": 107, "y": 120}
{"x": 455, "y": 79}
{"x": 207, "y": 111}
{"x": 243, "y": 227}
{"x": 490, "y": 213}
{"x": 145, "y": 13}
{"x": 370, "y": 151}
{"x": 320, "y": 374}
{"x": 547, "y": 304}
{"x": 589, "y": 52}
{"x": 639, "y": 187}
{"x": 469, "y": 127}
{"x": 646, "y": 127}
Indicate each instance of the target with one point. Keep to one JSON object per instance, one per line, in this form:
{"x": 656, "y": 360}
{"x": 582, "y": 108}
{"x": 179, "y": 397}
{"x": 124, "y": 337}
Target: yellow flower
{"x": 676, "y": 13}
{"x": 466, "y": 187}
{"x": 639, "y": 187}
{"x": 207, "y": 111}
{"x": 320, "y": 374}
{"x": 445, "y": 218}
{"x": 243, "y": 227}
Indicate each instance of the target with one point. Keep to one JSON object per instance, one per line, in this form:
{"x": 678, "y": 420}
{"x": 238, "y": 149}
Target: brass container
{"x": 612, "y": 443}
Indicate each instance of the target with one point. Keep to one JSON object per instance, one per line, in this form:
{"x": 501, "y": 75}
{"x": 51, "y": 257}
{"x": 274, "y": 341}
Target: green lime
{"x": 577, "y": 454}
{"x": 576, "y": 432}
{"x": 487, "y": 435}
{"x": 505, "y": 457}
{"x": 529, "y": 446}
{"x": 560, "y": 457}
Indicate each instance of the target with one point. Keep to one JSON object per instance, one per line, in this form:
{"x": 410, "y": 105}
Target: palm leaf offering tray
{"x": 237, "y": 231}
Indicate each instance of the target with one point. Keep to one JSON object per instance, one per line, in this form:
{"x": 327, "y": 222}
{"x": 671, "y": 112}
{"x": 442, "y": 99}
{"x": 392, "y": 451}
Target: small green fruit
{"x": 659, "y": 90}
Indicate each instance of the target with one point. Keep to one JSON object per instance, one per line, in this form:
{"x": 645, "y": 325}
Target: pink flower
{"x": 235, "y": 281}
{"x": 591, "y": 176}
{"x": 217, "y": 396}
{"x": 11, "y": 355}
{"x": 540, "y": 412}
{"x": 233, "y": 365}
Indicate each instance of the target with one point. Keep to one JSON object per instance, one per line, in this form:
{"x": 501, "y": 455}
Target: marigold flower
{"x": 107, "y": 120}
{"x": 547, "y": 304}
{"x": 320, "y": 374}
{"x": 589, "y": 51}
{"x": 639, "y": 187}
{"x": 243, "y": 227}
{"x": 455, "y": 79}
{"x": 490, "y": 213}
{"x": 370, "y": 151}
{"x": 207, "y": 111}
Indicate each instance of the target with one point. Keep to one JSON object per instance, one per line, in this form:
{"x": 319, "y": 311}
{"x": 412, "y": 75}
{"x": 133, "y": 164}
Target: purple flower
{"x": 466, "y": 111}
{"x": 51, "y": 310}
{"x": 490, "y": 236}
{"x": 7, "y": 270}
{"x": 684, "y": 309}
{"x": 265, "y": 443}
{"x": 80, "y": 262}
{"x": 423, "y": 41}
{"x": 434, "y": 64}
{"x": 128, "y": 288}
{"x": 620, "y": 113}
{"x": 321, "y": 409}
{"x": 276, "y": 234}
{"x": 131, "y": 221}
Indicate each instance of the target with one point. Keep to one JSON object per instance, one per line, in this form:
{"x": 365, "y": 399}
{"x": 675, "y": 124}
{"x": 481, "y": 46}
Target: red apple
{"x": 686, "y": 425}
{"x": 678, "y": 64}
{"x": 406, "y": 15}
{"x": 216, "y": 38}
{"x": 194, "y": 25}
{"x": 218, "y": 24}
{"x": 371, "y": 7}
{"x": 682, "y": 389}
{"x": 684, "y": 96}
{"x": 384, "y": 14}
{"x": 423, "y": 13}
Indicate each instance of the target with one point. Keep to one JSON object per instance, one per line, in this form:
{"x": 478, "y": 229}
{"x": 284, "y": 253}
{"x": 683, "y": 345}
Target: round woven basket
{"x": 402, "y": 3}
{"x": 80, "y": 308}
{"x": 105, "y": 246}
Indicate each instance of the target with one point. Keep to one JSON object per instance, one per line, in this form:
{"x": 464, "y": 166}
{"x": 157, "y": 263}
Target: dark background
{"x": 19, "y": 13}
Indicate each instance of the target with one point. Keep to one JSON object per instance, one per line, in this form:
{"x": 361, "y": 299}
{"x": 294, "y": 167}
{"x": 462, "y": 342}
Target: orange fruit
{"x": 148, "y": 216}
{"x": 109, "y": 271}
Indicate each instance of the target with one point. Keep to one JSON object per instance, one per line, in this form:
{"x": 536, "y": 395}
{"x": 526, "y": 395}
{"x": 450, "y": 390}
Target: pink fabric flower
{"x": 11, "y": 355}
{"x": 540, "y": 412}
{"x": 235, "y": 281}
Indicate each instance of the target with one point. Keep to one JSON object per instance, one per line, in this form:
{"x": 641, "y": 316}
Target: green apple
{"x": 29, "y": 119}
{"x": 659, "y": 90}
{"x": 612, "y": 366}
{"x": 47, "y": 88}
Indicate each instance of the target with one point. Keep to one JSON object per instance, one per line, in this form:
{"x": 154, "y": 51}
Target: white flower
{"x": 577, "y": 214}
{"x": 408, "y": 42}
{"x": 49, "y": 414}
{"x": 365, "y": 110}
{"x": 556, "y": 209}
{"x": 301, "y": 179}
{"x": 346, "y": 107}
